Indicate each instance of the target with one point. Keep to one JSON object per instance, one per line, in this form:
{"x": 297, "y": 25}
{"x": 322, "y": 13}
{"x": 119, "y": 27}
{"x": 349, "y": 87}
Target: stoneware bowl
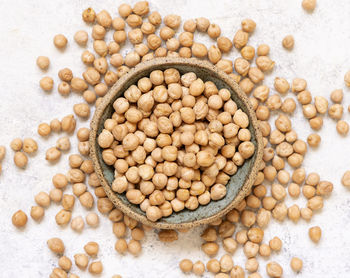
{"x": 239, "y": 184}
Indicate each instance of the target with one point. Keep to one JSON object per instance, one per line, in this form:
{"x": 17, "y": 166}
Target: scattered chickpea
{"x": 19, "y": 219}
{"x": 288, "y": 42}
{"x": 60, "y": 41}
{"x": 81, "y": 260}
{"x": 296, "y": 264}
{"x": 347, "y": 78}
{"x": 308, "y": 5}
{"x": 342, "y": 127}
{"x": 315, "y": 233}
{"x": 92, "y": 219}
{"x": 56, "y": 245}
{"x": 273, "y": 269}
{"x": 314, "y": 140}
{"x": 96, "y": 267}
{"x": 43, "y": 62}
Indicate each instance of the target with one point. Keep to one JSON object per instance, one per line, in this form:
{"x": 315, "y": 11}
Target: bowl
{"x": 239, "y": 184}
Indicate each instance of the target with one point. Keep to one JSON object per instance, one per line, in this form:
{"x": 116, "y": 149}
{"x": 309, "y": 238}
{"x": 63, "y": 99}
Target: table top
{"x": 321, "y": 55}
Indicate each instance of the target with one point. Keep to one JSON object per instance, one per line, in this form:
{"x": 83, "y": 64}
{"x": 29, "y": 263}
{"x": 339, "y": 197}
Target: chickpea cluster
{"x": 174, "y": 141}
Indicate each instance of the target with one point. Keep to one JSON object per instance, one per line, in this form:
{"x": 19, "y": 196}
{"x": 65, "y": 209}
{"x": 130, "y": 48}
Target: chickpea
{"x": 275, "y": 244}
{"x": 29, "y": 145}
{"x": 42, "y": 199}
{"x": 96, "y": 267}
{"x": 81, "y": 260}
{"x": 337, "y": 96}
{"x": 63, "y": 217}
{"x": 308, "y": 5}
{"x": 199, "y": 50}
{"x": 81, "y": 37}
{"x": 92, "y": 219}
{"x": 342, "y": 127}
{"x": 60, "y": 41}
{"x": 65, "y": 263}
{"x": 77, "y": 224}
{"x": 46, "y": 83}
{"x": 68, "y": 123}
{"x": 19, "y": 219}
{"x": 313, "y": 140}
{"x": 186, "y": 265}
{"x": 20, "y": 159}
{"x": 288, "y": 42}
{"x": 56, "y": 195}
{"x": 56, "y": 245}
{"x": 315, "y": 233}
{"x": 134, "y": 247}
{"x": 43, "y": 62}
{"x": 37, "y": 213}
{"x": 273, "y": 269}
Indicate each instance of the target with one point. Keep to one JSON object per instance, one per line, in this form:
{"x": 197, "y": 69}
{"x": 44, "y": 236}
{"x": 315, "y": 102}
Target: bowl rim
{"x": 107, "y": 99}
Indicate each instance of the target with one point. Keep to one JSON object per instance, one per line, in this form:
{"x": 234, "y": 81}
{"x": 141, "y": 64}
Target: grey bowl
{"x": 239, "y": 185}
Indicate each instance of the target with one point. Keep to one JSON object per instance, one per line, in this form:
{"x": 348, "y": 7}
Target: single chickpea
{"x": 37, "y": 213}
{"x": 63, "y": 217}
{"x": 240, "y": 39}
{"x": 306, "y": 213}
{"x": 199, "y": 50}
{"x": 92, "y": 219}
{"x": 43, "y": 62}
{"x": 296, "y": 264}
{"x": 77, "y": 224}
{"x": 342, "y": 127}
{"x": 134, "y": 247}
{"x": 42, "y": 199}
{"x": 65, "y": 263}
{"x": 87, "y": 57}
{"x": 81, "y": 260}
{"x": 81, "y": 37}
{"x": 60, "y": 41}
{"x": 275, "y": 244}
{"x": 96, "y": 267}
{"x": 273, "y": 269}
{"x": 56, "y": 245}
{"x": 263, "y": 50}
{"x": 265, "y": 250}
{"x": 308, "y": 5}
{"x": 314, "y": 140}
{"x": 155, "y": 18}
{"x": 20, "y": 159}
{"x": 46, "y": 83}
{"x": 19, "y": 219}
{"x": 29, "y": 145}
{"x": 288, "y": 42}
{"x": 315, "y": 233}
{"x": 186, "y": 265}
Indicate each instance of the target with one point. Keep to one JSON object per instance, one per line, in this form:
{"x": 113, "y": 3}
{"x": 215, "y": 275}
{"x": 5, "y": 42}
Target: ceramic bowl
{"x": 239, "y": 184}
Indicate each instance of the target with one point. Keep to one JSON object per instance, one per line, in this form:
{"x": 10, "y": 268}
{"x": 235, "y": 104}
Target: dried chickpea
{"x": 96, "y": 267}
{"x": 37, "y": 213}
{"x": 315, "y": 233}
{"x": 342, "y": 127}
{"x": 81, "y": 260}
{"x": 288, "y": 42}
{"x": 81, "y": 37}
{"x": 46, "y": 83}
{"x": 296, "y": 264}
{"x": 56, "y": 245}
{"x": 60, "y": 41}
{"x": 186, "y": 265}
{"x": 20, "y": 159}
{"x": 19, "y": 219}
{"x": 313, "y": 140}
{"x": 240, "y": 39}
{"x": 273, "y": 269}
{"x": 43, "y": 62}
{"x": 308, "y": 5}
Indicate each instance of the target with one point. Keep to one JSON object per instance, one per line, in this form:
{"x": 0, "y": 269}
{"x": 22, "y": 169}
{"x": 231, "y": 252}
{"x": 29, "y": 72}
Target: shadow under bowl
{"x": 239, "y": 184}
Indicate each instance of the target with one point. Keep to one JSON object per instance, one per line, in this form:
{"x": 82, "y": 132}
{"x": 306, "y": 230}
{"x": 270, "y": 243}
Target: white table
{"x": 321, "y": 55}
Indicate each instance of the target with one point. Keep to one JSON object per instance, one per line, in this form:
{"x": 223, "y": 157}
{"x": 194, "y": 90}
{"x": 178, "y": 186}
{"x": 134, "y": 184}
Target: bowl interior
{"x": 236, "y": 181}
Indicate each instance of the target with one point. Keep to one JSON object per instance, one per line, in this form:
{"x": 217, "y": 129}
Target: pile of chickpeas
{"x": 149, "y": 143}
{"x": 174, "y": 141}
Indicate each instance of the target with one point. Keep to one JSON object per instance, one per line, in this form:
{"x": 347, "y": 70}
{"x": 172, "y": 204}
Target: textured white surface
{"x": 321, "y": 56}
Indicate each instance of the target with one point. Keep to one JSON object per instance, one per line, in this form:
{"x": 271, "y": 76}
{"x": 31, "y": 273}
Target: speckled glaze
{"x": 239, "y": 184}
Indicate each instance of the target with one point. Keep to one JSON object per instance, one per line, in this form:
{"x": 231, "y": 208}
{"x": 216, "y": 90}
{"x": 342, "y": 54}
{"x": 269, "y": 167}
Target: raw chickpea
{"x": 288, "y": 105}
{"x": 306, "y": 213}
{"x": 296, "y": 264}
{"x": 92, "y": 219}
{"x": 124, "y": 10}
{"x": 43, "y": 62}
{"x": 202, "y": 24}
{"x": 264, "y": 250}
{"x": 56, "y": 195}
{"x": 63, "y": 217}
{"x": 288, "y": 42}
{"x": 16, "y": 144}
{"x": 56, "y": 245}
{"x": 248, "y": 52}
{"x": 273, "y": 269}
{"x": 81, "y": 37}
{"x": 134, "y": 247}
{"x": 308, "y": 5}
{"x": 210, "y": 248}
{"x": 313, "y": 140}
{"x": 96, "y": 267}
{"x": 20, "y": 159}
{"x": 172, "y": 21}
{"x": 46, "y": 83}
{"x": 342, "y": 127}
{"x": 236, "y": 272}
{"x": 37, "y": 213}
{"x": 224, "y": 44}
{"x": 240, "y": 39}
{"x": 294, "y": 213}
{"x": 251, "y": 265}
{"x": 250, "y": 249}
{"x": 87, "y": 57}
{"x": 275, "y": 244}
{"x": 2, "y": 152}
{"x": 280, "y": 211}
{"x": 186, "y": 265}
{"x": 199, "y": 50}
{"x": 198, "y": 268}
{"x": 315, "y": 233}
{"x": 42, "y": 199}
{"x": 337, "y": 96}
{"x": 335, "y": 111}
{"x": 29, "y": 145}
{"x": 77, "y": 224}
{"x": 104, "y": 19}
{"x": 65, "y": 263}
{"x": 121, "y": 246}
{"x": 60, "y": 41}
{"x": 98, "y": 32}
{"x": 248, "y": 25}
{"x": 91, "y": 248}
{"x": 213, "y": 266}
{"x": 347, "y": 78}
{"x": 226, "y": 263}
{"x": 19, "y": 219}
{"x": 81, "y": 260}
